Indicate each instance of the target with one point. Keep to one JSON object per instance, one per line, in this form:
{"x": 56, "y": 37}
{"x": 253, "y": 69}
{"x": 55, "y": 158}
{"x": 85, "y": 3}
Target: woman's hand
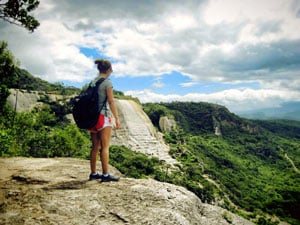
{"x": 117, "y": 123}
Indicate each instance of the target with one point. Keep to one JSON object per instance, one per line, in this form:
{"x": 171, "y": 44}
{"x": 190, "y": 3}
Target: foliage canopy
{"x": 255, "y": 163}
{"x": 18, "y": 12}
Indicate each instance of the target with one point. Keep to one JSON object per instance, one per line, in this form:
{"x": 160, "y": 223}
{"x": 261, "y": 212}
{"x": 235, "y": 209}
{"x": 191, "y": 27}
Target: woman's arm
{"x": 112, "y": 105}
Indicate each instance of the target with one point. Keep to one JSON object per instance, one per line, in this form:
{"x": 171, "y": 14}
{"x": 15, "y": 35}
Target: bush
{"x": 132, "y": 164}
{"x": 37, "y": 134}
{"x": 6, "y": 140}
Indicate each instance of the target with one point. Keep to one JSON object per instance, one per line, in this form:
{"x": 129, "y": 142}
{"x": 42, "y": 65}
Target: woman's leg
{"x": 105, "y": 135}
{"x": 96, "y": 143}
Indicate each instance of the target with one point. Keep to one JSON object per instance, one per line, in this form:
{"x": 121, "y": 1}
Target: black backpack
{"x": 85, "y": 106}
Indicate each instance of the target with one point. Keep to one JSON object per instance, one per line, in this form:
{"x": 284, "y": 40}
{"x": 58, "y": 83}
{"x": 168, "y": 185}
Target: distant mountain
{"x": 289, "y": 110}
{"x": 203, "y": 118}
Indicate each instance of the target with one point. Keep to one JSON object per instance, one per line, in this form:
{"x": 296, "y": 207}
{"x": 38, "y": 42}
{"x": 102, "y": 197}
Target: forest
{"x": 252, "y": 168}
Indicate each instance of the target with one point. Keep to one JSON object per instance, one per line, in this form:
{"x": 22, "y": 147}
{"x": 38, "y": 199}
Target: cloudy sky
{"x": 240, "y": 54}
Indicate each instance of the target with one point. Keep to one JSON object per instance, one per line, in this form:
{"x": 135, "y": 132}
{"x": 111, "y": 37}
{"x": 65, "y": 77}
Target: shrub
{"x": 133, "y": 164}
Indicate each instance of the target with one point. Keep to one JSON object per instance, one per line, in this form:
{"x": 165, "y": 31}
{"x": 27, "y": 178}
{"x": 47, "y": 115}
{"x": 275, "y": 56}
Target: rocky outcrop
{"x": 57, "y": 191}
{"x": 138, "y": 133}
{"x": 166, "y": 124}
{"x": 22, "y": 100}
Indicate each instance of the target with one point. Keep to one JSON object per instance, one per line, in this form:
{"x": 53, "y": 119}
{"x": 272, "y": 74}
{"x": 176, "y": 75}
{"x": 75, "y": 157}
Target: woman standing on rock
{"x": 101, "y": 132}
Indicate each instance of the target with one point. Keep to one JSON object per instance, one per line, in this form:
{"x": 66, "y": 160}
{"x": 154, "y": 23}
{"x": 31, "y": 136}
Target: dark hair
{"x": 103, "y": 65}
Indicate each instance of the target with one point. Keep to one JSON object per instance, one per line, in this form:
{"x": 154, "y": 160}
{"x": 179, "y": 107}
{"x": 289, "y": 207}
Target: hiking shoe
{"x": 109, "y": 178}
{"x": 95, "y": 176}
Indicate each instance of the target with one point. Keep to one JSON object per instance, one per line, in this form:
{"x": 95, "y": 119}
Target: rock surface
{"x": 57, "y": 191}
{"x": 22, "y": 100}
{"x": 138, "y": 133}
{"x": 166, "y": 124}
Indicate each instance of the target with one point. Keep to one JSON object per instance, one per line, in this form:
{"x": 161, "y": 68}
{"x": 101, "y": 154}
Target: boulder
{"x": 166, "y": 124}
{"x": 22, "y": 100}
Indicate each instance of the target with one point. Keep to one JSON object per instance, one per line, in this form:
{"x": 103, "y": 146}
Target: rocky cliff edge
{"x": 57, "y": 191}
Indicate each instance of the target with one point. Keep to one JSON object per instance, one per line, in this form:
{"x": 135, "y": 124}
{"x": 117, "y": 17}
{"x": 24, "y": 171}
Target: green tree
{"x": 17, "y": 12}
{"x": 155, "y": 111}
{"x": 7, "y": 68}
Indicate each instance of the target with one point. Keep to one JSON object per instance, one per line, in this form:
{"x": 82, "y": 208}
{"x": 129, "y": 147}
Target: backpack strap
{"x": 99, "y": 82}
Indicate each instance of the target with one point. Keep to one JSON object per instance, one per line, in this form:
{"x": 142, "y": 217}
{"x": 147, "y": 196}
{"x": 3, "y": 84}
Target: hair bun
{"x": 98, "y": 61}
{"x": 103, "y": 65}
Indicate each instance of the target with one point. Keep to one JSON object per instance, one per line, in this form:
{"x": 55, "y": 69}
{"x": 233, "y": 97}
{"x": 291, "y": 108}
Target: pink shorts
{"x": 103, "y": 121}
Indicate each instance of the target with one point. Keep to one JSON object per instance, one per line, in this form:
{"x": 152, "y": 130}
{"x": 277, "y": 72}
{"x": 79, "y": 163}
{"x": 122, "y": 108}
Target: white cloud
{"x": 188, "y": 84}
{"x": 179, "y": 21}
{"x": 230, "y": 11}
{"x": 50, "y": 52}
{"x": 169, "y": 37}
{"x": 234, "y": 99}
{"x": 158, "y": 84}
{"x": 221, "y": 41}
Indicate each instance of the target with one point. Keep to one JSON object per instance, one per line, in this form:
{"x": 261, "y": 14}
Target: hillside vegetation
{"x": 251, "y": 165}
{"x": 255, "y": 163}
